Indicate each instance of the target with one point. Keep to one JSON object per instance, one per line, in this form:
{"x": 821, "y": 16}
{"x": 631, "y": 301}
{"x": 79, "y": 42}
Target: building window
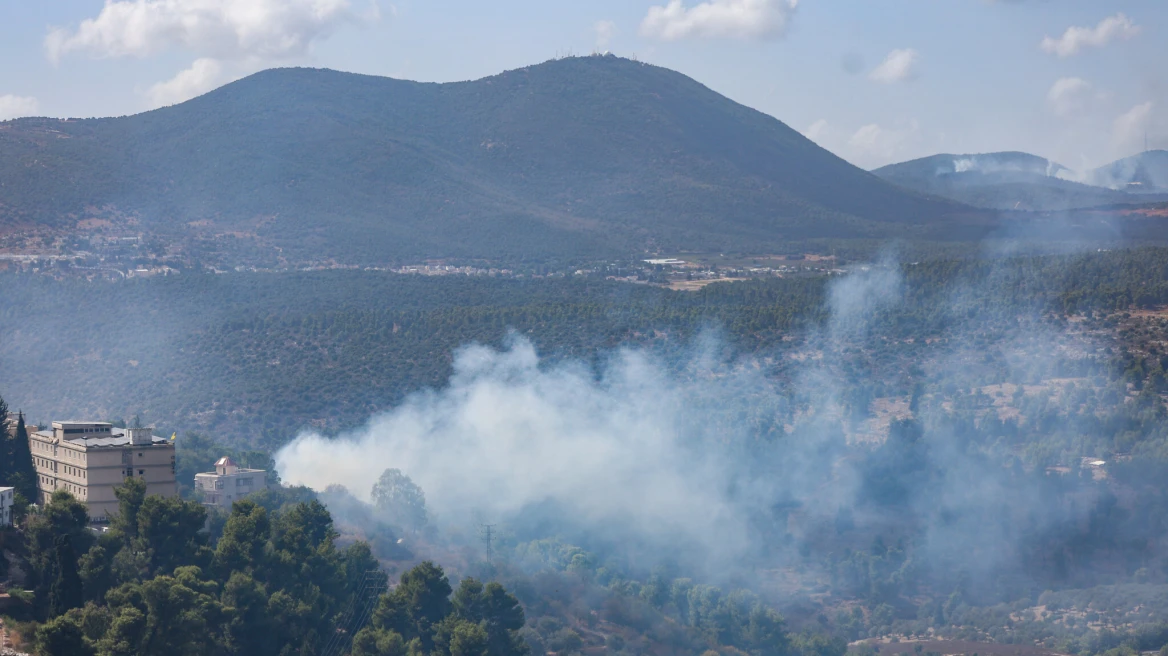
{"x": 141, "y": 472}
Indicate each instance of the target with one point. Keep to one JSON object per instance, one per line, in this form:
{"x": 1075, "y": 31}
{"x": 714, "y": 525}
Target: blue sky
{"x": 875, "y": 81}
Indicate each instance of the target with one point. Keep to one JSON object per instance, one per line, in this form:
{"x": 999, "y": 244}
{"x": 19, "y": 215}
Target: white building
{"x": 229, "y": 483}
{"x": 7, "y": 494}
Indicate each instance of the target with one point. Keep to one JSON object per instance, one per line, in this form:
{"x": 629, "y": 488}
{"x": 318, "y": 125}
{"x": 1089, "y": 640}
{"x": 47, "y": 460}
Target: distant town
{"x": 102, "y": 250}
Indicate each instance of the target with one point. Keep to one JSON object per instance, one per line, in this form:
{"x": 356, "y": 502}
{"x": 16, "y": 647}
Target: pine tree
{"x": 22, "y": 474}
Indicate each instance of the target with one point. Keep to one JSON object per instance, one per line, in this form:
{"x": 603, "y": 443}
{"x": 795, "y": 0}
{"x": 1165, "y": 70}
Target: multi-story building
{"x": 7, "y": 495}
{"x": 91, "y": 458}
{"x": 229, "y": 483}
{"x": 13, "y": 418}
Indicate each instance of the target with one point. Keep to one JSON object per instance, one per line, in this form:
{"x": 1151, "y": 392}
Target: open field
{"x": 954, "y": 647}
{"x": 695, "y": 285}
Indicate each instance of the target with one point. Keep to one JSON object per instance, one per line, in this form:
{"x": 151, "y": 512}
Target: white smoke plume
{"x": 639, "y": 443}
{"x": 511, "y": 432}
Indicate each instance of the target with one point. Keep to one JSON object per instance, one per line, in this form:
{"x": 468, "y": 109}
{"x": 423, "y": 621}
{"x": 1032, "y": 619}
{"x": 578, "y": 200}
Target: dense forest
{"x": 272, "y": 577}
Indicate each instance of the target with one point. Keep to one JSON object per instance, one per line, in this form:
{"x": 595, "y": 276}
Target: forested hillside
{"x": 274, "y": 576}
{"x": 968, "y": 449}
{"x": 258, "y": 357}
{"x": 1145, "y": 172}
{"x": 583, "y": 156}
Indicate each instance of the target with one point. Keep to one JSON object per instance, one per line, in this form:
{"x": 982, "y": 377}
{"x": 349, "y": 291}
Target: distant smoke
{"x": 1142, "y": 173}
{"x": 1003, "y": 164}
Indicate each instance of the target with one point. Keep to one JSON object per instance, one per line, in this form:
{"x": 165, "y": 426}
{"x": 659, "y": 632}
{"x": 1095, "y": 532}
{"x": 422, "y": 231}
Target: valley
{"x": 583, "y": 357}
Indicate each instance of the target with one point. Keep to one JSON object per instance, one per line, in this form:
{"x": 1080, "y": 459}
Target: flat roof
{"x": 118, "y": 438}
{"x": 237, "y": 472}
{"x": 81, "y": 423}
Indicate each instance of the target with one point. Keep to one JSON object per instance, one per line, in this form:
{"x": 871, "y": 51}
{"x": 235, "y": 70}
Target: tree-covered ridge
{"x": 258, "y": 357}
{"x": 581, "y": 156}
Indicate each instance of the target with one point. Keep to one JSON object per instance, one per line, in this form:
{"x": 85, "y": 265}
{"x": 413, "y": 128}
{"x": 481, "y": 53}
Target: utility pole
{"x": 487, "y": 535}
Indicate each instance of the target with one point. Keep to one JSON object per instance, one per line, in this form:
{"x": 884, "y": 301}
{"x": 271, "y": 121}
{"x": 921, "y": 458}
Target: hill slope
{"x": 1000, "y": 181}
{"x": 579, "y": 156}
{"x": 1145, "y": 172}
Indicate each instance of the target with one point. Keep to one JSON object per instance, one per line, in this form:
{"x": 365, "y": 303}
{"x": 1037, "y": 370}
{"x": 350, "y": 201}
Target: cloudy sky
{"x": 875, "y": 81}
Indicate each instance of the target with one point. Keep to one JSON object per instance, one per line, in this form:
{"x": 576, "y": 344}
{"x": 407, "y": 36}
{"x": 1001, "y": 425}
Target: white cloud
{"x": 1129, "y": 129}
{"x": 219, "y": 29}
{"x": 201, "y": 77}
{"x": 17, "y": 106}
{"x": 870, "y": 145}
{"x": 1068, "y": 96}
{"x": 898, "y": 66}
{"x": 1076, "y": 38}
{"x": 604, "y": 30}
{"x": 874, "y": 145}
{"x": 817, "y": 130}
{"x": 734, "y": 19}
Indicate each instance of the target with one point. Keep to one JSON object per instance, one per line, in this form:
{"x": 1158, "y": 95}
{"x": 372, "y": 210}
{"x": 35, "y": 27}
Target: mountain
{"x": 581, "y": 156}
{"x": 1001, "y": 181}
{"x": 944, "y": 165}
{"x": 1142, "y": 173}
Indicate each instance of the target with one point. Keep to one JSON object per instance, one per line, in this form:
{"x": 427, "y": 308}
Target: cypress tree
{"x": 7, "y": 456}
{"x": 66, "y": 592}
{"x": 22, "y": 475}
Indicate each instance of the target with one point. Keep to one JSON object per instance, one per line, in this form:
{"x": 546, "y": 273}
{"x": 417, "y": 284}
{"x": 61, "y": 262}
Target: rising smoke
{"x": 718, "y": 461}
{"x": 1006, "y": 163}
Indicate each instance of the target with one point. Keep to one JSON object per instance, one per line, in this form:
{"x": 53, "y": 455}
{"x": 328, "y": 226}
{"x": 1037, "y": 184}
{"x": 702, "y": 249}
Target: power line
{"x": 373, "y": 585}
{"x": 487, "y": 535}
